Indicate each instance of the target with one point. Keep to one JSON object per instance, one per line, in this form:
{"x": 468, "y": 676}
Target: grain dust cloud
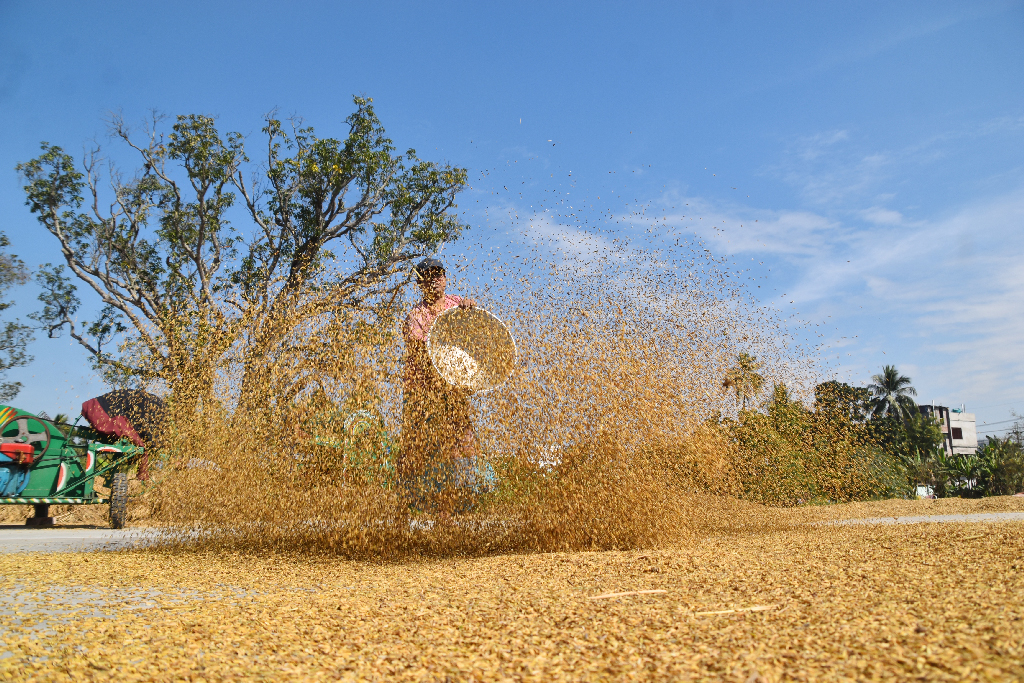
{"x": 606, "y": 434}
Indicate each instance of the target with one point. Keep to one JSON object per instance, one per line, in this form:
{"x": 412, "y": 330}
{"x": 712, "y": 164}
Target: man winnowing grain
{"x": 437, "y": 461}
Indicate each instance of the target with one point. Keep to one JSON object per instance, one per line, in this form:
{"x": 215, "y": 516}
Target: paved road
{"x": 20, "y": 539}
{"x": 923, "y": 519}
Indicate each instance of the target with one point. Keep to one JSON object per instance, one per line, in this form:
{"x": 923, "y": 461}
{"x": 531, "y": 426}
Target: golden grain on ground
{"x": 936, "y": 602}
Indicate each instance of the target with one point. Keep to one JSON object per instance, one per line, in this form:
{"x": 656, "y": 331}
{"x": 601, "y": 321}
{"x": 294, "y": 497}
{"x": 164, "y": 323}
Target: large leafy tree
{"x": 891, "y": 394}
{"x": 202, "y": 257}
{"x": 841, "y": 399}
{"x": 14, "y": 336}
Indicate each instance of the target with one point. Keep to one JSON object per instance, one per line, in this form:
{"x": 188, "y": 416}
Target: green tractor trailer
{"x": 43, "y": 463}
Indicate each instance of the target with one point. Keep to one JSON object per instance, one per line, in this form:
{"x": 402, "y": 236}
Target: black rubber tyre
{"x": 118, "y": 500}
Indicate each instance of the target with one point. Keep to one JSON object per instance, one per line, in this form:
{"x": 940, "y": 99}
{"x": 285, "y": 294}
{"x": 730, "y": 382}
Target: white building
{"x": 959, "y": 428}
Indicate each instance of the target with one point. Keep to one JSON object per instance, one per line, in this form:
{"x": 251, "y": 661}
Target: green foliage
{"x": 1003, "y": 471}
{"x": 853, "y": 444}
{"x": 14, "y": 336}
{"x": 787, "y": 453}
{"x": 841, "y": 399}
{"x": 63, "y": 424}
{"x": 891, "y": 394}
{"x": 60, "y": 303}
{"x": 995, "y": 470}
{"x": 914, "y": 442}
{"x": 773, "y": 449}
{"x": 920, "y": 437}
{"x": 744, "y": 379}
{"x": 959, "y": 473}
{"x": 331, "y": 228}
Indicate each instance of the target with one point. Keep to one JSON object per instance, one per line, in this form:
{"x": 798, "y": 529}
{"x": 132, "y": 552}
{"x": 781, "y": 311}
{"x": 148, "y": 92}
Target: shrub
{"x": 788, "y": 454}
{"x": 1003, "y": 467}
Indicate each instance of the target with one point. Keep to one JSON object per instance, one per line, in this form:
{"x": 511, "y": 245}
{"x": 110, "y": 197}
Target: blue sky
{"x": 878, "y": 146}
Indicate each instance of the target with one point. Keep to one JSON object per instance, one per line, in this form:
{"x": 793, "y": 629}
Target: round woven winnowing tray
{"x": 472, "y": 348}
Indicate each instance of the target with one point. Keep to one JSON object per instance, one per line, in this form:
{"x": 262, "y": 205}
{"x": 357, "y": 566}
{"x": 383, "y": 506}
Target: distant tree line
{"x": 852, "y": 443}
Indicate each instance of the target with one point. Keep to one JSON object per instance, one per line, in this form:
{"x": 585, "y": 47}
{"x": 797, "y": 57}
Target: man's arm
{"x": 413, "y": 330}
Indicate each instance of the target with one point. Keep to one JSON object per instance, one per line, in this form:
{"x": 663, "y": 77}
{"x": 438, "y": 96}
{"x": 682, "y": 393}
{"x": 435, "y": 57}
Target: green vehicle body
{"x": 65, "y": 471}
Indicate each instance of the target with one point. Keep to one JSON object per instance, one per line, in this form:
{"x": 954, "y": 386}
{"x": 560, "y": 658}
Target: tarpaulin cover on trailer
{"x": 127, "y": 413}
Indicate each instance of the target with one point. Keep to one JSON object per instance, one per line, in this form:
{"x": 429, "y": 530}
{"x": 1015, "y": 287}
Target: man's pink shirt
{"x": 420, "y": 318}
{"x": 417, "y": 326}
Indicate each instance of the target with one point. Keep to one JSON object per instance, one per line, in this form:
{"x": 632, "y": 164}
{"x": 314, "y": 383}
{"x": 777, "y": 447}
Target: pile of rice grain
{"x": 458, "y": 367}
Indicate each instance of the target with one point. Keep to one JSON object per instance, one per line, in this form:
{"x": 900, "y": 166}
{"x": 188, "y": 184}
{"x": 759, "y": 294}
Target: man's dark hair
{"x": 428, "y": 269}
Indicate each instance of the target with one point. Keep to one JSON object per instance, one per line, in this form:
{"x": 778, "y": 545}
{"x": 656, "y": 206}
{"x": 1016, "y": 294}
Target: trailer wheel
{"x": 118, "y": 500}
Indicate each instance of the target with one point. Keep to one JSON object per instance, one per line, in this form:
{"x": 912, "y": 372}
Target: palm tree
{"x": 744, "y": 378}
{"x": 60, "y": 421}
{"x": 891, "y": 394}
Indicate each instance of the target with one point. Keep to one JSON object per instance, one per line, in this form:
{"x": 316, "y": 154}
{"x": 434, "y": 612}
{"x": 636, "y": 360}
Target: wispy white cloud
{"x": 815, "y": 145}
{"x": 880, "y": 216}
{"x": 838, "y": 170}
{"x": 939, "y": 290}
{"x": 942, "y": 291}
{"x": 573, "y": 244}
{"x": 948, "y": 291}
